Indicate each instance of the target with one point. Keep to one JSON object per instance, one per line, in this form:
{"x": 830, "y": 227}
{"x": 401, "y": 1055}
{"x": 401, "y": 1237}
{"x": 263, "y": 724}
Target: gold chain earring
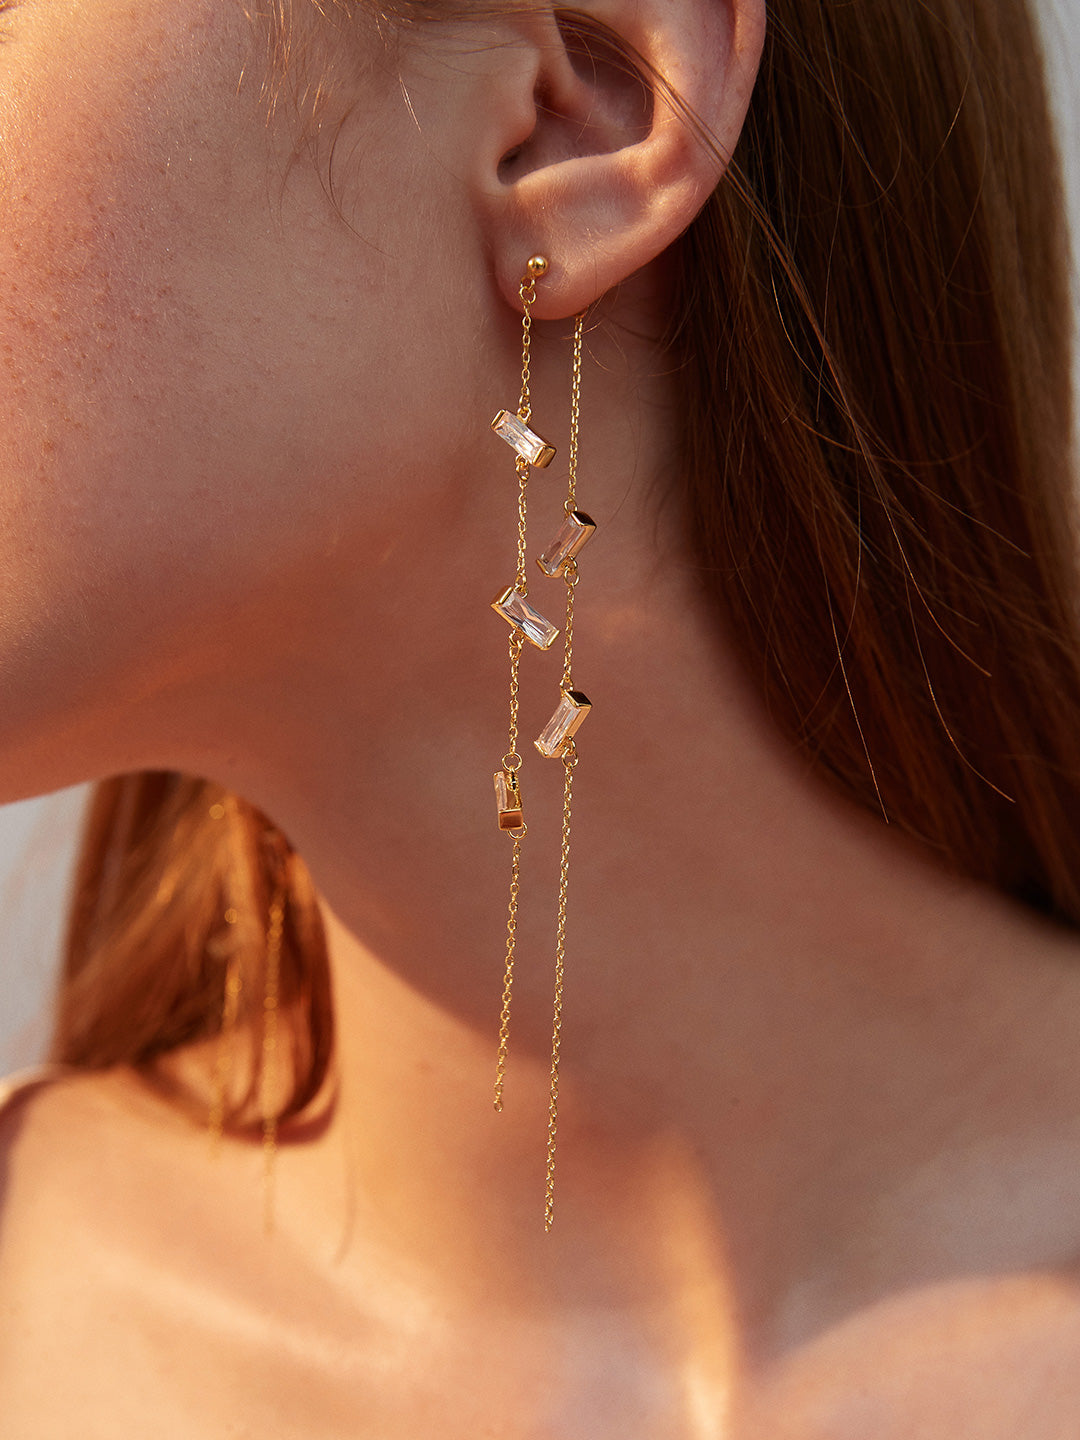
{"x": 556, "y": 740}
{"x": 526, "y": 623}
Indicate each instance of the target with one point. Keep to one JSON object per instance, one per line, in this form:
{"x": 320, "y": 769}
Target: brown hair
{"x": 174, "y": 881}
{"x": 872, "y": 324}
{"x": 875, "y": 321}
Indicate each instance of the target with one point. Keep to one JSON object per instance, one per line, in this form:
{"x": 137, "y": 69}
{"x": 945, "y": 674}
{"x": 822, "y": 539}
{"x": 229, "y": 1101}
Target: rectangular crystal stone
{"x": 508, "y": 799}
{"x": 519, "y": 437}
{"x": 573, "y": 534}
{"x": 520, "y": 615}
{"x": 560, "y": 729}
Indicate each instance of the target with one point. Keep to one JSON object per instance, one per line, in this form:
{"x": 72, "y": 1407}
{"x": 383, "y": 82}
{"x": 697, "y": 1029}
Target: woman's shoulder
{"x": 87, "y": 1207}
{"x": 18, "y": 1086}
{"x": 65, "y": 1131}
{"x": 55, "y": 1138}
{"x": 52, "y": 1110}
{"x": 80, "y": 1151}
{"x": 32, "y": 1101}
{"x": 56, "y": 1132}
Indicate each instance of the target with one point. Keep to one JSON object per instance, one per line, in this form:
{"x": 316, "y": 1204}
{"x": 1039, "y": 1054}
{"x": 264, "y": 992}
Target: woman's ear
{"x": 587, "y": 160}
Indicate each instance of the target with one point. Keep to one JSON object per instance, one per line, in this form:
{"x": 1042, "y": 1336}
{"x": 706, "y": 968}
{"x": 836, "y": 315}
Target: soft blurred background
{"x": 37, "y": 845}
{"x": 38, "y": 837}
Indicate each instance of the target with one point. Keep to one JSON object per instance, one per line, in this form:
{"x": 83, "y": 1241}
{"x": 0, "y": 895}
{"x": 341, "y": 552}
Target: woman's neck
{"x": 788, "y": 1040}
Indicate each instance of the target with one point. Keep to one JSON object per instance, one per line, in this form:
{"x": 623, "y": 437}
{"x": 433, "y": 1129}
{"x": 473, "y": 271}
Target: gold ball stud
{"x": 537, "y": 266}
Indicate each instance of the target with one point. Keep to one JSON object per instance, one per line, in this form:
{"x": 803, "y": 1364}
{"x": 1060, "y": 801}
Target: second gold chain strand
{"x": 570, "y": 759}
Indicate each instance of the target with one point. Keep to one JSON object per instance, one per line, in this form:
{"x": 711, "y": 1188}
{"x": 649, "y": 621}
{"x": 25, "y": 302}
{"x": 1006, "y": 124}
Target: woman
{"x": 818, "y": 1118}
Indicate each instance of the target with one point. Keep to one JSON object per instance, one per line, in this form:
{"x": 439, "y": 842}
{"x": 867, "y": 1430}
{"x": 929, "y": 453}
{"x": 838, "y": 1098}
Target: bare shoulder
{"x": 70, "y": 1129}
{"x": 45, "y": 1123}
{"x": 69, "y": 1150}
{"x": 100, "y": 1267}
{"x": 67, "y": 1146}
{"x": 139, "y": 1294}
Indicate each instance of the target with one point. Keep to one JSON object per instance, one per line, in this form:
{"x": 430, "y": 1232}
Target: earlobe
{"x": 607, "y": 173}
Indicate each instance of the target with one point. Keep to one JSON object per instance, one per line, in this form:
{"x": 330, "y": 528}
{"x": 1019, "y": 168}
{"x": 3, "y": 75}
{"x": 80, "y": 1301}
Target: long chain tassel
{"x": 511, "y": 761}
{"x": 560, "y": 969}
{"x": 570, "y": 760}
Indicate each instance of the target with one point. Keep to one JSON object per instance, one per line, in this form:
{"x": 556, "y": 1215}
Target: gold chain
{"x": 527, "y": 291}
{"x": 511, "y": 761}
{"x": 570, "y": 760}
{"x": 508, "y": 974}
{"x": 575, "y": 416}
{"x": 570, "y": 574}
{"x": 268, "y": 1079}
{"x": 521, "y": 580}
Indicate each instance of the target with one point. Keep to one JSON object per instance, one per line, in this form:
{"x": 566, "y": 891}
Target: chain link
{"x": 508, "y": 974}
{"x": 570, "y": 575}
{"x": 569, "y": 761}
{"x": 575, "y": 417}
{"x": 512, "y": 760}
{"x": 521, "y": 579}
{"x": 516, "y": 642}
{"x": 527, "y": 291}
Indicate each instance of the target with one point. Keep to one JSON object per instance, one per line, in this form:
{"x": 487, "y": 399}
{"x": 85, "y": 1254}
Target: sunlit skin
{"x": 820, "y": 1123}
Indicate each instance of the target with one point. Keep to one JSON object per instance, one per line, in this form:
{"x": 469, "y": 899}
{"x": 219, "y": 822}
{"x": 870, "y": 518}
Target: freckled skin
{"x": 202, "y": 364}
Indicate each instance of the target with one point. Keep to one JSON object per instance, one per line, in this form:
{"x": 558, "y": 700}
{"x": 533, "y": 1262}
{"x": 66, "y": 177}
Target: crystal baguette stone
{"x": 508, "y": 800}
{"x": 573, "y": 534}
{"x": 560, "y": 729}
{"x": 519, "y": 437}
{"x": 520, "y": 615}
